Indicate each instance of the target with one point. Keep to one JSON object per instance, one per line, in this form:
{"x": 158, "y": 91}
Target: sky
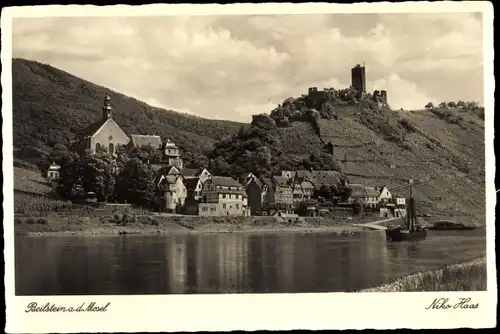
{"x": 230, "y": 67}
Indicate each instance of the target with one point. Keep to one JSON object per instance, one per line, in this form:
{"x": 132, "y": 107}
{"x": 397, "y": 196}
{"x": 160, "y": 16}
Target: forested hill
{"x": 372, "y": 145}
{"x": 52, "y": 106}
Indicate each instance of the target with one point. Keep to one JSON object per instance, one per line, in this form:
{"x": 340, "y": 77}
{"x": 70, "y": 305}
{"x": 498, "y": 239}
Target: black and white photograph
{"x": 264, "y": 153}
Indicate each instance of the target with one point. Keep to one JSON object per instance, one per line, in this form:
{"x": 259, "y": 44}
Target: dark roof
{"x": 190, "y": 172}
{"x": 170, "y": 179}
{"x": 167, "y": 170}
{"x": 267, "y": 181}
{"x": 257, "y": 182}
{"x": 372, "y": 192}
{"x": 191, "y": 183}
{"x": 225, "y": 181}
{"x": 146, "y": 140}
{"x": 328, "y": 178}
{"x": 281, "y": 180}
{"x": 303, "y": 174}
{"x": 91, "y": 129}
{"x": 358, "y": 190}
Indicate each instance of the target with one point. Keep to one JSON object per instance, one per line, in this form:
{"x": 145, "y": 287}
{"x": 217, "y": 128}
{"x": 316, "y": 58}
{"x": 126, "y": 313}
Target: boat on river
{"x": 444, "y": 225}
{"x": 411, "y": 229}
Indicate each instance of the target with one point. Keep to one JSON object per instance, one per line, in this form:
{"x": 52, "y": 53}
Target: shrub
{"x": 30, "y": 221}
{"x": 154, "y": 222}
{"x": 18, "y": 221}
{"x": 42, "y": 221}
{"x": 125, "y": 219}
{"x": 117, "y": 218}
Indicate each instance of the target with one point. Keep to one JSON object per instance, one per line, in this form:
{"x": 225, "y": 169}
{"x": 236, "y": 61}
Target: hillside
{"x": 385, "y": 147}
{"x": 381, "y": 146}
{"x": 52, "y": 106}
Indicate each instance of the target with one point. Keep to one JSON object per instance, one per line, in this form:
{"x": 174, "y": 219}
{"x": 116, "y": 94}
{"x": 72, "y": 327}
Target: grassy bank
{"x": 469, "y": 276}
{"x": 106, "y": 224}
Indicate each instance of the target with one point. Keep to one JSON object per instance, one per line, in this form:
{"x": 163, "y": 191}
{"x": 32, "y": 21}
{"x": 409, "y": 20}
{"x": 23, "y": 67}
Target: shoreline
{"x": 165, "y": 225}
{"x": 341, "y": 230}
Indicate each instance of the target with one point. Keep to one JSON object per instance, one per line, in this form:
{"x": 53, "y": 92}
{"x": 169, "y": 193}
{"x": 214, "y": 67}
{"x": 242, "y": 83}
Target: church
{"x": 107, "y": 135}
{"x": 104, "y": 134}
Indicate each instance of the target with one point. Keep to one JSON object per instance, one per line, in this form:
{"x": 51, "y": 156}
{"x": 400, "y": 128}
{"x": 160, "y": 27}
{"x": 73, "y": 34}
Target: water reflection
{"x": 228, "y": 263}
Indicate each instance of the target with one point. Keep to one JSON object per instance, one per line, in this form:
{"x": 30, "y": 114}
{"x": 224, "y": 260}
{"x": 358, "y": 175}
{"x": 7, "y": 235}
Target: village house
{"x": 384, "y": 194}
{"x": 393, "y": 208}
{"x": 196, "y": 173}
{"x": 372, "y": 197}
{"x": 325, "y": 178}
{"x": 302, "y": 191}
{"x": 194, "y": 180}
{"x": 172, "y": 192}
{"x": 256, "y": 191}
{"x": 223, "y": 196}
{"x": 307, "y": 189}
{"x": 279, "y": 195}
{"x": 298, "y": 194}
{"x": 358, "y": 194}
{"x": 369, "y": 196}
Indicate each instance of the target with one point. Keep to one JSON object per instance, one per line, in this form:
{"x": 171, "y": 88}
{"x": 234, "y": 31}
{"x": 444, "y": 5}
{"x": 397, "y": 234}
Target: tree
{"x": 461, "y": 104}
{"x": 471, "y": 105}
{"x": 429, "y": 105}
{"x": 135, "y": 183}
{"x": 357, "y": 208}
{"x": 220, "y": 166}
{"x": 346, "y": 193}
{"x": 442, "y": 105}
{"x": 452, "y": 104}
{"x": 324, "y": 191}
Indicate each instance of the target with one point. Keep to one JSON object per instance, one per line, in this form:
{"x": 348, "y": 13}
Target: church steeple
{"x": 106, "y": 109}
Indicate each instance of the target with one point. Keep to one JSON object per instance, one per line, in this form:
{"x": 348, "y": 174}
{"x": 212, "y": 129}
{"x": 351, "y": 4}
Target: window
{"x": 224, "y": 206}
{"x": 239, "y": 196}
{"x": 97, "y": 147}
{"x": 212, "y": 209}
{"x": 204, "y": 209}
{"x": 223, "y": 195}
{"x": 111, "y": 148}
{"x": 237, "y": 206}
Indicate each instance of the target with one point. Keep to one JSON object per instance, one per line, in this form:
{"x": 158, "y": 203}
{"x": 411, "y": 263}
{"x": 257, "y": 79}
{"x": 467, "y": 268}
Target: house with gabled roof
{"x": 279, "y": 194}
{"x": 196, "y": 173}
{"x": 223, "y": 196}
{"x": 369, "y": 196}
{"x": 256, "y": 191}
{"x": 172, "y": 192}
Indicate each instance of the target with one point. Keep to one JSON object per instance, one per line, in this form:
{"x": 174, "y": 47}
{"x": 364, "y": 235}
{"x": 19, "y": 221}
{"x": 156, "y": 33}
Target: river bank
{"x": 101, "y": 225}
{"x": 468, "y": 276}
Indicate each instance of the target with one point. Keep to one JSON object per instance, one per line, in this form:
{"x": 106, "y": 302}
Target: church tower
{"x": 106, "y": 109}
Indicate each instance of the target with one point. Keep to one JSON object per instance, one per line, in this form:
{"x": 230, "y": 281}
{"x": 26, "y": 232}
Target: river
{"x": 229, "y": 263}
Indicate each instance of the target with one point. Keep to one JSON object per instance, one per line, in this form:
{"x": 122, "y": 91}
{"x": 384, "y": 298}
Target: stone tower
{"x": 106, "y": 109}
{"x": 358, "y": 78}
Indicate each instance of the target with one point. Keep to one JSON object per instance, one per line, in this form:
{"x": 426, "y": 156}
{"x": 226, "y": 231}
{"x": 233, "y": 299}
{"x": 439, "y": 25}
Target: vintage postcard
{"x": 248, "y": 167}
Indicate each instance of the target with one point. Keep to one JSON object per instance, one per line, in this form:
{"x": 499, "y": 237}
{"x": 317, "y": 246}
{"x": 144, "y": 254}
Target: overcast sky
{"x": 230, "y": 67}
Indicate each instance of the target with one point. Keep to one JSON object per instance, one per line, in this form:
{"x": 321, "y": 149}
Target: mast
{"x": 412, "y": 207}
